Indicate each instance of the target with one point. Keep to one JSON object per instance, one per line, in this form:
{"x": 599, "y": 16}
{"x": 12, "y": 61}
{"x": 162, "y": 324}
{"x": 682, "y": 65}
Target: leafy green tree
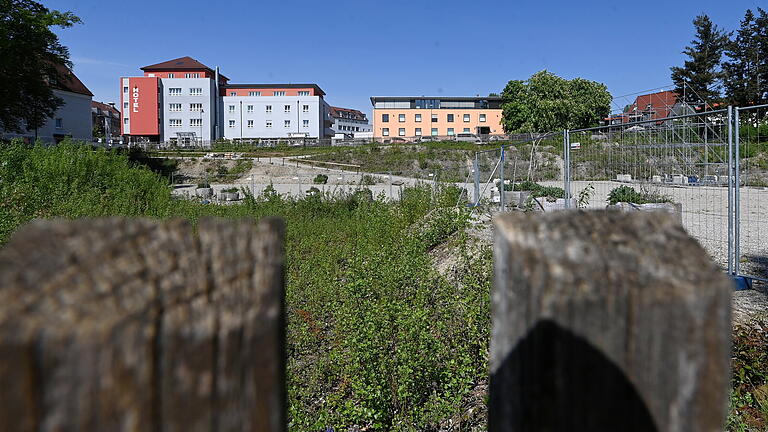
{"x": 29, "y": 53}
{"x": 546, "y": 102}
{"x": 700, "y": 76}
{"x": 741, "y": 73}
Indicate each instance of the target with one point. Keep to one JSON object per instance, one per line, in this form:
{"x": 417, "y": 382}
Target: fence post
{"x": 501, "y": 179}
{"x": 731, "y": 210}
{"x": 476, "y": 169}
{"x": 736, "y": 196}
{"x": 117, "y": 324}
{"x": 567, "y": 167}
{"x": 604, "y": 320}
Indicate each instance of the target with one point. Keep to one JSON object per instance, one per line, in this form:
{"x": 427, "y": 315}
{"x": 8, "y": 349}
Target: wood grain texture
{"x": 606, "y": 321}
{"x": 139, "y": 325}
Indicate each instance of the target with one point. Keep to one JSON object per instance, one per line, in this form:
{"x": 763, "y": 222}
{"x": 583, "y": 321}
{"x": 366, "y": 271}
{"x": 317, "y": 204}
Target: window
{"x": 192, "y": 75}
{"x": 269, "y": 123}
{"x": 125, "y": 89}
{"x": 305, "y": 108}
{"x": 196, "y": 122}
{"x": 125, "y": 120}
{"x": 59, "y": 123}
{"x": 254, "y": 93}
{"x": 197, "y": 91}
{"x": 249, "y": 108}
{"x": 450, "y": 118}
{"x": 385, "y": 118}
{"x": 434, "y": 131}
{"x": 401, "y": 118}
{"x": 195, "y": 107}
{"x": 466, "y": 130}
{"x": 174, "y": 107}
{"x": 231, "y": 108}
{"x": 401, "y": 132}
{"x": 233, "y": 93}
{"x": 418, "y": 118}
{"x": 250, "y": 123}
{"x": 287, "y": 123}
{"x": 418, "y": 131}
{"x": 279, "y": 93}
{"x": 385, "y": 131}
{"x": 450, "y": 131}
{"x": 170, "y": 75}
{"x": 466, "y": 118}
{"x": 303, "y": 93}
{"x": 174, "y": 91}
{"x": 287, "y": 108}
{"x": 125, "y": 105}
{"x": 482, "y": 117}
{"x": 231, "y": 123}
{"x": 305, "y": 123}
{"x": 174, "y": 122}
{"x": 434, "y": 118}
{"x": 269, "y": 108}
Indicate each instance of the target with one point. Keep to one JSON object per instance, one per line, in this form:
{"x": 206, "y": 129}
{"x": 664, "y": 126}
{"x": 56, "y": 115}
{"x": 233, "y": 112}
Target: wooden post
{"x": 137, "y": 325}
{"x": 606, "y": 321}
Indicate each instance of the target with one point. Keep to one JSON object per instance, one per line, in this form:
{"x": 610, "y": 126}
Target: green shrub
{"x": 320, "y": 179}
{"x": 230, "y": 190}
{"x": 537, "y": 190}
{"x": 628, "y": 194}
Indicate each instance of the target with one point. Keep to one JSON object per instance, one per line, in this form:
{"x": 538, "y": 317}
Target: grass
{"x": 376, "y": 339}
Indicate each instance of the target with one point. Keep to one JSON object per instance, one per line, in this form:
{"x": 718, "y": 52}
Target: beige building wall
{"x": 411, "y": 124}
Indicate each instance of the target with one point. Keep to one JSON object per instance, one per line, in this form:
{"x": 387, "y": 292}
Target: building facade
{"x": 275, "y": 111}
{"x": 349, "y": 121}
{"x": 183, "y": 101}
{"x": 413, "y": 117}
{"x": 105, "y": 119}
{"x": 71, "y": 120}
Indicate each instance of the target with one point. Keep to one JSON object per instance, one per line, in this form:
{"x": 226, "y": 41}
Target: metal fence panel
{"x": 751, "y": 192}
{"x": 681, "y": 163}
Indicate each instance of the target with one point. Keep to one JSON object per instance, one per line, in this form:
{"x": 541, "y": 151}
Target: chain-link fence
{"x": 710, "y": 169}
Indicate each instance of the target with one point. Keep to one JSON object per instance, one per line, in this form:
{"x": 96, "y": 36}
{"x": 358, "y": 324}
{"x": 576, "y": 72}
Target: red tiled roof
{"x": 104, "y": 107}
{"x": 67, "y": 81}
{"x": 181, "y": 63}
{"x": 354, "y": 112}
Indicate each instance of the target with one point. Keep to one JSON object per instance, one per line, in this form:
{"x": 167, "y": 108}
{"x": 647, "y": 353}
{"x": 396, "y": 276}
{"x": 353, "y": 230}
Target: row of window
{"x": 268, "y": 123}
{"x": 268, "y": 108}
{"x": 186, "y": 75}
{"x": 192, "y": 122}
{"x": 274, "y": 93}
{"x": 176, "y": 107}
{"x": 449, "y": 118}
{"x": 417, "y": 132}
{"x": 348, "y": 128}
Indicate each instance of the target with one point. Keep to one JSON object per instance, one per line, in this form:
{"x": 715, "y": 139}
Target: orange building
{"x": 414, "y": 117}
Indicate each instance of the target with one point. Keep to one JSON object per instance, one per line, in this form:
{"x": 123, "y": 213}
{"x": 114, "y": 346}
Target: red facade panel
{"x": 142, "y": 106}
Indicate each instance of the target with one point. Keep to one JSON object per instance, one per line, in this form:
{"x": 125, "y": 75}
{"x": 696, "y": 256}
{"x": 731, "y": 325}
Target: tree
{"x": 698, "y": 80}
{"x": 547, "y": 102}
{"x": 741, "y": 74}
{"x": 29, "y": 53}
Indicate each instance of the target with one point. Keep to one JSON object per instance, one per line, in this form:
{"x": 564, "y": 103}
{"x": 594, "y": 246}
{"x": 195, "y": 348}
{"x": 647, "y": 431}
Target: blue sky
{"x": 358, "y": 49}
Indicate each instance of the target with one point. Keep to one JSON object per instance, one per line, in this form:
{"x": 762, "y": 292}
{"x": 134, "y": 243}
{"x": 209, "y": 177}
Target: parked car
{"x": 427, "y": 138}
{"x": 468, "y": 137}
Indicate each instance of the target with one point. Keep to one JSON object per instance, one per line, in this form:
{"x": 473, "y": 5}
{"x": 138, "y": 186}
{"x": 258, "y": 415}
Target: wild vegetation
{"x": 376, "y": 338}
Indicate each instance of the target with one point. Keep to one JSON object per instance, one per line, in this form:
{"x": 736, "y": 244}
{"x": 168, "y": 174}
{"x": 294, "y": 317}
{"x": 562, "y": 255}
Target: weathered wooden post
{"x": 138, "y": 325}
{"x": 606, "y": 321}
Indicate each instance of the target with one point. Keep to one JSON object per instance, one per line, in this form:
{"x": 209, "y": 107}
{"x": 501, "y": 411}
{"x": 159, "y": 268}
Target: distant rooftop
{"x": 276, "y": 86}
{"x": 180, "y": 64}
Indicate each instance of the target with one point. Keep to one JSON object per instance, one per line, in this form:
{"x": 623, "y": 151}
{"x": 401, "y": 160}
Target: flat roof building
{"x": 408, "y": 117}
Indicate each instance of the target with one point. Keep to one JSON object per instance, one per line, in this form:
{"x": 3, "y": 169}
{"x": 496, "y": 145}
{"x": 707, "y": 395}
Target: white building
{"x": 349, "y": 122}
{"x": 274, "y": 111}
{"x": 71, "y": 120}
{"x": 183, "y": 101}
